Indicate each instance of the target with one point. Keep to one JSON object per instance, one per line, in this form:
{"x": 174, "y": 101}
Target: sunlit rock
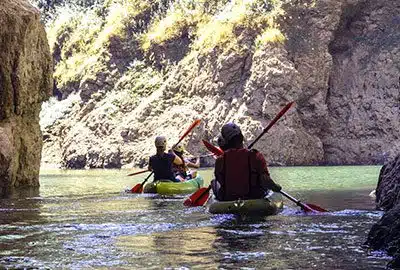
{"x": 25, "y": 81}
{"x": 137, "y": 77}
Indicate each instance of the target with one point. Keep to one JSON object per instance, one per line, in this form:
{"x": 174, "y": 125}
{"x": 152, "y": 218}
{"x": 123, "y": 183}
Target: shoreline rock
{"x": 385, "y": 235}
{"x": 25, "y": 82}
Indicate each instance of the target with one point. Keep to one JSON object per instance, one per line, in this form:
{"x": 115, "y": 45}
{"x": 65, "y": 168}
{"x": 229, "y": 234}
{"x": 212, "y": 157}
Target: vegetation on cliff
{"x": 126, "y": 70}
{"x": 87, "y": 39}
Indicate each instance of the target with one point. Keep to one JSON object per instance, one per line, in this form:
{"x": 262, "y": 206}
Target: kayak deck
{"x": 166, "y": 187}
{"x": 270, "y": 205}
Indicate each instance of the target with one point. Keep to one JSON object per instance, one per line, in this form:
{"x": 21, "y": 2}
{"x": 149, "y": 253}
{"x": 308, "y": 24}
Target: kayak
{"x": 270, "y": 205}
{"x": 167, "y": 187}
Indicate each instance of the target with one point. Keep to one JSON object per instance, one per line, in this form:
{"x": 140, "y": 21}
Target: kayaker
{"x": 221, "y": 143}
{"x": 240, "y": 173}
{"x": 181, "y": 171}
{"x": 161, "y": 163}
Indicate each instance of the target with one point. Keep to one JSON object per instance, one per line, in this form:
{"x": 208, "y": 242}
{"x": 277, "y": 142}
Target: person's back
{"x": 240, "y": 173}
{"x": 161, "y": 164}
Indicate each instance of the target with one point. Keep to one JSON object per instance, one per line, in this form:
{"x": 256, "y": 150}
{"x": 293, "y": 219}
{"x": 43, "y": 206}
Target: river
{"x": 84, "y": 219}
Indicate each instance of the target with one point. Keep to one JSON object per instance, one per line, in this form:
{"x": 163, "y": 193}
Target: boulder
{"x": 25, "y": 82}
{"x": 385, "y": 235}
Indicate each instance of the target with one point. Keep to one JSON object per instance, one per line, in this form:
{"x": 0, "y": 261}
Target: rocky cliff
{"x": 25, "y": 81}
{"x": 385, "y": 235}
{"x": 124, "y": 77}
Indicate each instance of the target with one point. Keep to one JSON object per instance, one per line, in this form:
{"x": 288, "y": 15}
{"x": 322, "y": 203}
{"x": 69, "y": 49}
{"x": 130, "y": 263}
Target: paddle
{"x": 277, "y": 117}
{"x": 138, "y": 188}
{"x": 139, "y": 172}
{"x": 191, "y": 127}
{"x": 308, "y": 207}
{"x": 213, "y": 149}
{"x": 200, "y": 197}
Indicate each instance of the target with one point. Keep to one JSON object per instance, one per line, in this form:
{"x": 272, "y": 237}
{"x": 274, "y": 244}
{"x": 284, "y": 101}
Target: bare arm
{"x": 177, "y": 160}
{"x": 193, "y": 165}
{"x": 268, "y": 183}
{"x": 266, "y": 180}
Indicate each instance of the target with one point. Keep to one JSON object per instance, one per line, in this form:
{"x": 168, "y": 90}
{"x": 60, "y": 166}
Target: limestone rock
{"x": 25, "y": 81}
{"x": 388, "y": 189}
{"x": 340, "y": 63}
{"x": 385, "y": 235}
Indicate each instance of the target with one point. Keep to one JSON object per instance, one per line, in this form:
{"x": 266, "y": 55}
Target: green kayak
{"x": 270, "y": 205}
{"x": 167, "y": 187}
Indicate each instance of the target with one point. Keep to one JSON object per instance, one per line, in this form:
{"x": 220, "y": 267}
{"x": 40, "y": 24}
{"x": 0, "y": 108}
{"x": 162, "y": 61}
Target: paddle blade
{"x": 276, "y": 118}
{"x": 136, "y": 173}
{"x": 192, "y": 126}
{"x": 198, "y": 198}
{"x": 280, "y": 114}
{"x": 138, "y": 188}
{"x": 315, "y": 208}
{"x": 213, "y": 149}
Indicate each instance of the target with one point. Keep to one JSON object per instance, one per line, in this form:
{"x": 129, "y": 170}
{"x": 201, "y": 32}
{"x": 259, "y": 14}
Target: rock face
{"x": 25, "y": 81}
{"x": 385, "y": 235}
{"x": 388, "y": 189}
{"x": 340, "y": 62}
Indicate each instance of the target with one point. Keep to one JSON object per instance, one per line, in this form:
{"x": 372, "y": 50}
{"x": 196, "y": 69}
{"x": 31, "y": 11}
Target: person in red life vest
{"x": 181, "y": 171}
{"x": 161, "y": 163}
{"x": 240, "y": 173}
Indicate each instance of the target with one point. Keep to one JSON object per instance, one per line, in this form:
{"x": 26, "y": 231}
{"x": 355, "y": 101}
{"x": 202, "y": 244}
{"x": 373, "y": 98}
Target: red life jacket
{"x": 240, "y": 175}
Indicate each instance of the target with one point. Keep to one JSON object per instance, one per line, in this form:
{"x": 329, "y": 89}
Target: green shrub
{"x": 140, "y": 80}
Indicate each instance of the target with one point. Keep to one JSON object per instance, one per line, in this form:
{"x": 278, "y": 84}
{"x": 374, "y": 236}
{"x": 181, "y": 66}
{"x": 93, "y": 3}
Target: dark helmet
{"x": 230, "y": 130}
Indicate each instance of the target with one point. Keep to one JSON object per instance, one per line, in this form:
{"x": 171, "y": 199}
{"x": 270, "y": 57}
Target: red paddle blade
{"x": 137, "y": 188}
{"x": 279, "y": 115}
{"x": 276, "y": 118}
{"x": 314, "y": 207}
{"x": 213, "y": 149}
{"x": 139, "y": 172}
{"x": 198, "y": 198}
{"x": 192, "y": 126}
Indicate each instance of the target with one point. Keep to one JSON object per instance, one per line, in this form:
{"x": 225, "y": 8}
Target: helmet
{"x": 179, "y": 148}
{"x": 160, "y": 141}
{"x": 230, "y": 130}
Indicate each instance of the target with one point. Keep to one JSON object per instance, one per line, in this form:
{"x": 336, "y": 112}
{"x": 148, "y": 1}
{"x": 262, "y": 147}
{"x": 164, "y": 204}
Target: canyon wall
{"x": 25, "y": 82}
{"x": 338, "y": 59}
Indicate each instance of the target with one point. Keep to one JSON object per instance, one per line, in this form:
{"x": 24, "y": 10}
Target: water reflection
{"x": 20, "y": 210}
{"x": 243, "y": 242}
{"x": 20, "y": 206}
{"x": 183, "y": 248}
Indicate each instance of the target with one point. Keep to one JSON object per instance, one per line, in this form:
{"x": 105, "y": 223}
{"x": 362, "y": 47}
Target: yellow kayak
{"x": 270, "y": 205}
{"x": 167, "y": 187}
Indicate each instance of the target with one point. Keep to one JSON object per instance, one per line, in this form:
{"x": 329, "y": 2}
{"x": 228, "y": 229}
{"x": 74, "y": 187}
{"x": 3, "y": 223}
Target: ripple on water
{"x": 355, "y": 212}
{"x": 244, "y": 256}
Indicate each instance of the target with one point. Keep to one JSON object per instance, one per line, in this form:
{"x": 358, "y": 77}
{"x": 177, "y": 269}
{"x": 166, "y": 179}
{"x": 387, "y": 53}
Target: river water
{"x": 84, "y": 219}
